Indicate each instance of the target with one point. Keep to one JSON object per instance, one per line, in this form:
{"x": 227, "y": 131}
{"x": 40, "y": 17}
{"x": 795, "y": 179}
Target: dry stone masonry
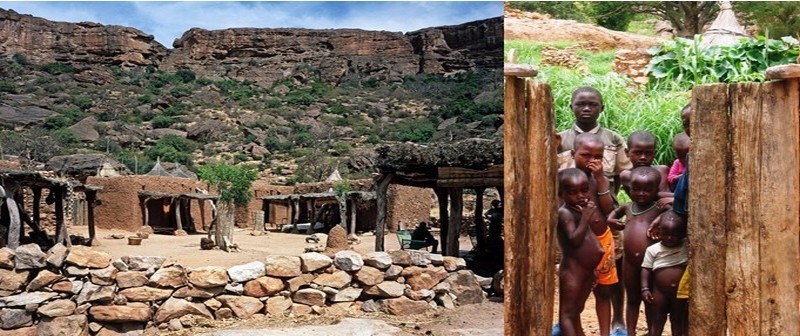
{"x": 80, "y": 291}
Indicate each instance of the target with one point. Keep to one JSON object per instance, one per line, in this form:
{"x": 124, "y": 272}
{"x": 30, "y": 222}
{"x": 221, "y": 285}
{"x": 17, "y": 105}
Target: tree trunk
{"x": 223, "y": 231}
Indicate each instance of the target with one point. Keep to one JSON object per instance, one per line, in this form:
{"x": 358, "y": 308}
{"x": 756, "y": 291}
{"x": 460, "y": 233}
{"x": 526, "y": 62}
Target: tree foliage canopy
{"x": 232, "y": 182}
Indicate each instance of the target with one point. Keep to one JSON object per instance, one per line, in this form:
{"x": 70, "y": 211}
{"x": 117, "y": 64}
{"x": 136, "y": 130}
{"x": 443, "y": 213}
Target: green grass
{"x": 643, "y": 25}
{"x": 628, "y": 107}
{"x": 598, "y": 62}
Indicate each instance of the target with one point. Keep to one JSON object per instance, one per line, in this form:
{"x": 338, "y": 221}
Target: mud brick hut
{"x": 276, "y": 214}
{"x": 164, "y": 203}
{"x": 448, "y": 169}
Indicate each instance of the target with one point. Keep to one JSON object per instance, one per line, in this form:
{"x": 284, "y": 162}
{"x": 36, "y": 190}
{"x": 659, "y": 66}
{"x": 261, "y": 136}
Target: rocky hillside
{"x": 297, "y": 101}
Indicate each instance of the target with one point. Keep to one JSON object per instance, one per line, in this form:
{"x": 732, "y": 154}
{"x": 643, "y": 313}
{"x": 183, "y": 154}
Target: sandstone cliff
{"x": 42, "y": 40}
{"x": 262, "y": 55}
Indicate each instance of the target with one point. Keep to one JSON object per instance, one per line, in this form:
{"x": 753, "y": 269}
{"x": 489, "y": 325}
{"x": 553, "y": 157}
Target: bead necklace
{"x": 633, "y": 212}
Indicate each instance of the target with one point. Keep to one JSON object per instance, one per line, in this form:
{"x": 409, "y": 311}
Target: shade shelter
{"x": 172, "y": 212}
{"x": 448, "y": 169}
{"x": 353, "y": 205}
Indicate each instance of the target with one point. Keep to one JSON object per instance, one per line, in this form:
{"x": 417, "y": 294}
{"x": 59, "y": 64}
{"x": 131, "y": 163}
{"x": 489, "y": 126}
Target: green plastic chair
{"x": 404, "y": 237}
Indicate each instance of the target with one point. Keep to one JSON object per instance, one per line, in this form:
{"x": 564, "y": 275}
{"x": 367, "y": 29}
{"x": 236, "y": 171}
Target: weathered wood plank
{"x": 480, "y": 225}
{"x": 444, "y": 217}
{"x": 785, "y": 71}
{"x": 382, "y": 187}
{"x": 91, "y": 201}
{"x": 453, "y": 231}
{"x": 741, "y": 272}
{"x": 14, "y": 225}
{"x": 777, "y": 204}
{"x": 519, "y": 70}
{"x": 517, "y": 212}
{"x": 708, "y": 164}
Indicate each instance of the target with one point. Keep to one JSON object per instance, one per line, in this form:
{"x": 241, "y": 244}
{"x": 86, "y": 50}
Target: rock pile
{"x": 567, "y": 58}
{"x": 79, "y": 291}
{"x": 632, "y": 63}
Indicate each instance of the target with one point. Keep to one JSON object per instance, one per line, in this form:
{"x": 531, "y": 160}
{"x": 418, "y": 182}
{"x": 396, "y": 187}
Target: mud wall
{"x": 409, "y": 205}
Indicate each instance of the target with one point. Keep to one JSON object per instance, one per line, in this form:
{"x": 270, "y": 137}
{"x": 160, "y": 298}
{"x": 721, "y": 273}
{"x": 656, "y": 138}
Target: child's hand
{"x": 615, "y": 224}
{"x": 588, "y": 209}
{"x": 654, "y": 231}
{"x": 647, "y": 296}
{"x": 664, "y": 202}
{"x": 596, "y": 167}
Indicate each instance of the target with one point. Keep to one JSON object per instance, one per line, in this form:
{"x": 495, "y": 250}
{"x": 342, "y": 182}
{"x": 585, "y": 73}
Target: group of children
{"x": 595, "y": 162}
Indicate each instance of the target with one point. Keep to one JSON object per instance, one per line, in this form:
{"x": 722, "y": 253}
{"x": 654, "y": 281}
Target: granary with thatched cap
{"x": 725, "y": 30}
{"x": 12, "y": 230}
{"x": 448, "y": 169}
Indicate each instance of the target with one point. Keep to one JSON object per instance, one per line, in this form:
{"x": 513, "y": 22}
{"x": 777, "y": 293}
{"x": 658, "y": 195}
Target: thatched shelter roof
{"x": 82, "y": 165}
{"x": 468, "y": 153}
{"x": 159, "y": 195}
{"x": 725, "y": 30}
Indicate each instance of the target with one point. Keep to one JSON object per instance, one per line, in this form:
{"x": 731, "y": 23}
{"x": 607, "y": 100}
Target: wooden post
{"x": 293, "y": 214}
{"x": 14, "y": 224}
{"x": 37, "y": 202}
{"x": 265, "y": 208}
{"x": 176, "y": 205}
{"x": 146, "y": 212}
{"x": 454, "y": 229}
{"x": 353, "y": 210}
{"x": 61, "y": 228}
{"x": 741, "y": 272}
{"x": 381, "y": 190}
{"x": 708, "y": 167}
{"x": 480, "y": 226}
{"x": 529, "y": 207}
{"x": 444, "y": 217}
{"x": 779, "y": 192}
{"x": 91, "y": 199}
{"x": 312, "y": 215}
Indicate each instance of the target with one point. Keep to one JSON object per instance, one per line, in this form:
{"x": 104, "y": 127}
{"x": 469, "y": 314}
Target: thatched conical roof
{"x": 158, "y": 170}
{"x": 725, "y": 30}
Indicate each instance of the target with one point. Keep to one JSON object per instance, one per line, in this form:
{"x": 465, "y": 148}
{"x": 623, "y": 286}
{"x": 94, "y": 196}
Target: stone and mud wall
{"x": 78, "y": 291}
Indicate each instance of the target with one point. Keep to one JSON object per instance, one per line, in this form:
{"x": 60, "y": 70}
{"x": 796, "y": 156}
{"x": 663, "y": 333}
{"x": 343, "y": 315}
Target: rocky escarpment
{"x": 262, "y": 55}
{"x": 43, "y": 41}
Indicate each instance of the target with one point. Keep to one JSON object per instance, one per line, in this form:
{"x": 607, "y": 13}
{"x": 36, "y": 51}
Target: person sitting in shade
{"x": 422, "y": 233}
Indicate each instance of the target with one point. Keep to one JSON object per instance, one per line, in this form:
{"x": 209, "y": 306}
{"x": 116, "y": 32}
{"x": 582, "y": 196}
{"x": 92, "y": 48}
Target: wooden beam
{"x": 444, "y": 217}
{"x": 741, "y": 269}
{"x": 519, "y": 70}
{"x": 779, "y": 189}
{"x": 786, "y": 71}
{"x": 382, "y": 186}
{"x": 708, "y": 166}
{"x": 454, "y": 228}
{"x": 469, "y": 183}
{"x": 91, "y": 199}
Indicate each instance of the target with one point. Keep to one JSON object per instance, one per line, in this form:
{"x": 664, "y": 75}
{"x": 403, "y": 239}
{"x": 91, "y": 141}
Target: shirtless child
{"x": 639, "y": 213}
{"x": 580, "y": 250}
{"x": 663, "y": 266}
{"x": 588, "y": 157}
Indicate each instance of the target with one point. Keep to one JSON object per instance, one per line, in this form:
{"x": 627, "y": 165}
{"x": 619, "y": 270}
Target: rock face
{"x": 86, "y": 42}
{"x": 259, "y": 55}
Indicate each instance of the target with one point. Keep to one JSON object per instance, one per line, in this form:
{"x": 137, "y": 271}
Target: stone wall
{"x": 79, "y": 291}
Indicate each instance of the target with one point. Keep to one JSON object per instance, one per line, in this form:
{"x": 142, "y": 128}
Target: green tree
{"x": 233, "y": 185}
{"x": 614, "y": 15}
{"x": 774, "y": 18}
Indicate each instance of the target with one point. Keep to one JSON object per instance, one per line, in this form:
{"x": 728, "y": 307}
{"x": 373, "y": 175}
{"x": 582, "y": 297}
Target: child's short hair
{"x": 568, "y": 175}
{"x": 681, "y": 140}
{"x": 687, "y": 108}
{"x": 587, "y": 138}
{"x": 648, "y": 172}
{"x": 680, "y": 222}
{"x": 583, "y": 89}
{"x": 640, "y": 136}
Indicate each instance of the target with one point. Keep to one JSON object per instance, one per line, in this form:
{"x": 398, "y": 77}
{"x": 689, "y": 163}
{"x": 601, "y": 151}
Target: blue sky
{"x": 168, "y": 20}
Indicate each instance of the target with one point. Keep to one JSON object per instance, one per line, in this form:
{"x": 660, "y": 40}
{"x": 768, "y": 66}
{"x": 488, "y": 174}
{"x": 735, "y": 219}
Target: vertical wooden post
{"x": 177, "y": 205}
{"x": 529, "y": 207}
{"x": 293, "y": 214}
{"x": 444, "y": 217}
{"x": 453, "y": 230}
{"x": 381, "y": 190}
{"x": 61, "y": 228}
{"x": 480, "y": 227}
{"x": 91, "y": 198}
{"x": 741, "y": 272}
{"x": 312, "y": 215}
{"x": 14, "y": 225}
{"x": 37, "y": 203}
{"x": 265, "y": 208}
{"x": 353, "y": 210}
{"x": 779, "y": 189}
{"x": 146, "y": 212}
{"x": 708, "y": 167}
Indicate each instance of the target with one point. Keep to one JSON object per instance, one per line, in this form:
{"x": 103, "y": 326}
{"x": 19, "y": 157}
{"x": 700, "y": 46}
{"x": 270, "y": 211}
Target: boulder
{"x": 64, "y": 286}
{"x": 371, "y": 306}
{"x": 24, "y": 299}
{"x": 465, "y": 287}
{"x": 452, "y": 264}
{"x": 130, "y": 279}
{"x": 242, "y": 306}
{"x": 337, "y": 239}
{"x": 133, "y": 312}
{"x": 44, "y": 278}
{"x": 300, "y": 309}
{"x": 73, "y": 325}
{"x": 369, "y": 276}
{"x": 104, "y": 276}
{"x": 121, "y": 329}
{"x": 404, "y": 306}
{"x": 29, "y": 256}
{"x": 196, "y": 292}
{"x": 348, "y": 260}
{"x": 224, "y": 313}
{"x": 12, "y": 280}
{"x": 213, "y": 304}
{"x": 417, "y": 295}
{"x": 24, "y": 331}
{"x": 295, "y": 283}
{"x": 419, "y": 258}
{"x": 57, "y": 308}
{"x": 85, "y": 130}
{"x": 173, "y": 276}
{"x": 338, "y": 279}
{"x": 93, "y": 293}
{"x": 209, "y": 276}
{"x": 235, "y": 288}
{"x": 308, "y": 296}
{"x": 6, "y": 258}
{"x": 386, "y": 289}
{"x": 278, "y": 305}
{"x": 75, "y": 271}
{"x": 379, "y": 260}
{"x": 175, "y": 308}
{"x": 423, "y": 278}
{"x": 15, "y": 318}
{"x": 349, "y": 294}
{"x": 120, "y": 264}
{"x": 400, "y": 257}
{"x": 436, "y": 259}
{"x": 313, "y": 261}
{"x": 146, "y": 294}
{"x": 84, "y": 256}
{"x": 282, "y": 266}
{"x": 246, "y": 272}
{"x": 445, "y": 300}
{"x": 392, "y": 272}
{"x": 144, "y": 263}
{"x": 263, "y": 286}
